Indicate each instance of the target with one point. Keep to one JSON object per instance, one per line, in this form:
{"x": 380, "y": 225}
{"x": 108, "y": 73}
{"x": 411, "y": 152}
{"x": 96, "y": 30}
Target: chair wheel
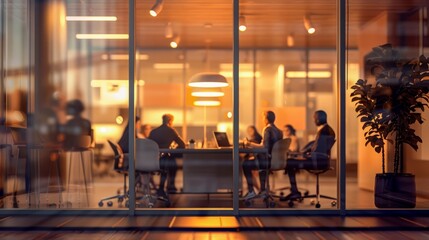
{"x": 306, "y": 193}
{"x": 312, "y": 202}
{"x": 100, "y": 204}
{"x": 109, "y": 203}
{"x": 282, "y": 194}
{"x": 120, "y": 199}
{"x": 317, "y": 205}
{"x": 290, "y": 203}
{"x": 334, "y": 203}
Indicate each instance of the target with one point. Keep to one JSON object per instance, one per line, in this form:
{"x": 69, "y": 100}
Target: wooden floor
{"x": 178, "y": 235}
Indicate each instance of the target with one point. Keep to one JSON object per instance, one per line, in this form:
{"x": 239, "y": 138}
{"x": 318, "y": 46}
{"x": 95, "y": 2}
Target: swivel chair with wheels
{"x": 277, "y": 162}
{"x": 317, "y": 162}
{"x": 147, "y": 162}
{"x": 120, "y": 165}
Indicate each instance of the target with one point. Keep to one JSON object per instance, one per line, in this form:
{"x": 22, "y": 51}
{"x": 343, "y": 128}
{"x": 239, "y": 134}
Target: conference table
{"x": 209, "y": 170}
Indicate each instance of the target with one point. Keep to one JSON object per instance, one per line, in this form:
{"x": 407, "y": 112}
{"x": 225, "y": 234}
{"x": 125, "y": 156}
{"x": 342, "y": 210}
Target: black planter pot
{"x": 395, "y": 190}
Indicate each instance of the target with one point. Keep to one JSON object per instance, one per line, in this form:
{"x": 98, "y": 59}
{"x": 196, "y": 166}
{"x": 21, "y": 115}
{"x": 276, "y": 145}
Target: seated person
{"x": 124, "y": 140}
{"x": 319, "y": 150}
{"x": 290, "y": 132}
{"x": 77, "y": 126}
{"x": 271, "y": 134}
{"x": 253, "y": 136}
{"x": 165, "y": 135}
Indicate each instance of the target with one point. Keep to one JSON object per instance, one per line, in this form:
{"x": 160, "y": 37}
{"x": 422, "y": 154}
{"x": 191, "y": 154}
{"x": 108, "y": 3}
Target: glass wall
{"x": 287, "y": 66}
{"x": 63, "y": 99}
{"x": 386, "y": 157}
{"x": 64, "y": 110}
{"x": 178, "y": 49}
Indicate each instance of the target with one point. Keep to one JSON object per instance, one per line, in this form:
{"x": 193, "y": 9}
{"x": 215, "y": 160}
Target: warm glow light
{"x": 107, "y": 82}
{"x": 311, "y": 30}
{"x": 119, "y": 120}
{"x": 229, "y": 115}
{"x": 156, "y": 8}
{"x": 92, "y": 18}
{"x": 207, "y": 94}
{"x": 207, "y": 103}
{"x": 208, "y": 80}
{"x": 101, "y": 36}
{"x": 175, "y": 42}
{"x": 241, "y": 74}
{"x": 170, "y": 66}
{"x": 208, "y": 84}
{"x": 123, "y": 57}
{"x": 311, "y": 74}
{"x": 290, "y": 41}
{"x": 242, "y": 24}
{"x": 308, "y": 25}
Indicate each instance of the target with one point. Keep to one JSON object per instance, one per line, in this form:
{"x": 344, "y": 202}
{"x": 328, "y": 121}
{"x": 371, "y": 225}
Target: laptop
{"x": 222, "y": 140}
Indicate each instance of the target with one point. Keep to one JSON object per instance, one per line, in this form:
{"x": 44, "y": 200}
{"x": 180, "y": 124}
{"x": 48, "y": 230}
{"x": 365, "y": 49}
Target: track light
{"x": 169, "y": 30}
{"x": 175, "y": 41}
{"x": 242, "y": 24}
{"x": 290, "y": 41}
{"x": 156, "y": 8}
{"x": 308, "y": 25}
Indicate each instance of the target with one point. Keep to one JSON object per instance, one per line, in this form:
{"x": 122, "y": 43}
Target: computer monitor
{"x": 221, "y": 139}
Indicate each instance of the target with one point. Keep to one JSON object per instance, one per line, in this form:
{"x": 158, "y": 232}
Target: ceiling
{"x": 202, "y": 23}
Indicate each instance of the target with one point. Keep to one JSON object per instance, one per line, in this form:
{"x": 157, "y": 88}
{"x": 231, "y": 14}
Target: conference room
{"x": 216, "y": 67}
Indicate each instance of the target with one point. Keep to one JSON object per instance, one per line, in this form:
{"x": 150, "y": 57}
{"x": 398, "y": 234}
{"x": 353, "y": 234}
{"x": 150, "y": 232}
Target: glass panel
{"x": 292, "y": 74}
{"x": 14, "y": 90}
{"x": 385, "y": 42}
{"x": 65, "y": 99}
{"x": 183, "y": 40}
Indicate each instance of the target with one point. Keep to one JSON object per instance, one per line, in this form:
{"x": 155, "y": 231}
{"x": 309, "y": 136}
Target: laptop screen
{"x": 221, "y": 139}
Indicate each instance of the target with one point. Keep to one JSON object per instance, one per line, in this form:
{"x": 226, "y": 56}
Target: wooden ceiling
{"x": 268, "y": 21}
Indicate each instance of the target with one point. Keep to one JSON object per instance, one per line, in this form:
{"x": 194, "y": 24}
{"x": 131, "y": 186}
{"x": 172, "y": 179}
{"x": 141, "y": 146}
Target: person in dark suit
{"x": 271, "y": 135}
{"x": 166, "y": 136}
{"x": 319, "y": 149}
{"x": 124, "y": 140}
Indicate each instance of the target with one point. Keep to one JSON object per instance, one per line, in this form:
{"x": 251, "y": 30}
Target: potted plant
{"x": 388, "y": 109}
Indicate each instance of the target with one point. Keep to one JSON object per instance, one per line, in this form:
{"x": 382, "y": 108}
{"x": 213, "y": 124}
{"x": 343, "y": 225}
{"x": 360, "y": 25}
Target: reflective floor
{"x": 108, "y": 183}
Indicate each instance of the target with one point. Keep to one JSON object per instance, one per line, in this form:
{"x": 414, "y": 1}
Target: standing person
{"x": 271, "y": 134}
{"x": 325, "y": 138}
{"x": 290, "y": 132}
{"x": 165, "y": 136}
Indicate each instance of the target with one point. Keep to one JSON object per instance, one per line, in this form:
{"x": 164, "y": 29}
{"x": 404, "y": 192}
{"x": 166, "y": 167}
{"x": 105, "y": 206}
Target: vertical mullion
{"x": 235, "y": 199}
{"x": 341, "y": 74}
{"x": 131, "y": 109}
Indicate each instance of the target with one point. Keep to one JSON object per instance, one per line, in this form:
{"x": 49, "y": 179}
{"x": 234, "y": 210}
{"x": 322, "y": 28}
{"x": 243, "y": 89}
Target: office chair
{"x": 121, "y": 166}
{"x": 318, "y": 163}
{"x": 147, "y": 162}
{"x": 277, "y": 162}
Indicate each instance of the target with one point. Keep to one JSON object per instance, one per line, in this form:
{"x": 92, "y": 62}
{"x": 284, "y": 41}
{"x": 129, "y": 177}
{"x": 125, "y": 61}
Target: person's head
{"x": 289, "y": 130}
{"x": 251, "y": 131}
{"x": 320, "y": 117}
{"x": 75, "y": 107}
{"x": 167, "y": 119}
{"x": 146, "y": 128}
{"x": 269, "y": 117}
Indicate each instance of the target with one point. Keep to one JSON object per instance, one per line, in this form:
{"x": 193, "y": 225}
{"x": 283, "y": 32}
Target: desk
{"x": 208, "y": 170}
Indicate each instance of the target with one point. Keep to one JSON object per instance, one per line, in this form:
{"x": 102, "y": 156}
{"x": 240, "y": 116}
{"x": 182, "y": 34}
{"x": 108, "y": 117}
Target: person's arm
{"x": 178, "y": 140}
